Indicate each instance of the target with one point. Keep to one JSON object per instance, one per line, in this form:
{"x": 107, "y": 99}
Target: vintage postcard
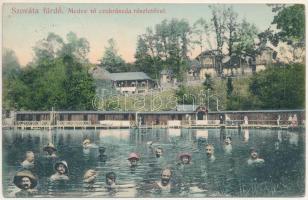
{"x": 136, "y": 100}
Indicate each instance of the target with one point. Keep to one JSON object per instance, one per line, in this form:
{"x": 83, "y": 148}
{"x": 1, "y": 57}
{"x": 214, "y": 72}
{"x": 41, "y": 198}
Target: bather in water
{"x": 28, "y": 163}
{"x": 26, "y": 181}
{"x": 51, "y": 151}
{"x": 227, "y": 146}
{"x": 102, "y": 157}
{"x": 89, "y": 179}
{"x": 112, "y": 186}
{"x": 61, "y": 169}
{"x": 254, "y": 158}
{"x": 185, "y": 160}
{"x": 166, "y": 184}
{"x": 209, "y": 149}
{"x": 133, "y": 159}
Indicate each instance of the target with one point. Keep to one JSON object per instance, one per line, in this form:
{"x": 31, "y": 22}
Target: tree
{"x": 165, "y": 47}
{"x": 10, "y": 69}
{"x": 144, "y": 61}
{"x": 208, "y": 83}
{"x": 247, "y": 34}
{"x": 10, "y": 64}
{"x": 53, "y": 46}
{"x": 184, "y": 96}
{"x": 219, "y": 20}
{"x": 229, "y": 87}
{"x": 48, "y": 48}
{"x": 201, "y": 30}
{"x": 111, "y": 60}
{"x": 76, "y": 47}
{"x": 280, "y": 88}
{"x": 290, "y": 22}
{"x": 231, "y": 29}
{"x": 53, "y": 80}
{"x": 245, "y": 44}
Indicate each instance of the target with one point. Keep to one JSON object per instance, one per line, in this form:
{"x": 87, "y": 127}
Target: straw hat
{"x": 133, "y": 155}
{"x": 63, "y": 163}
{"x": 49, "y": 146}
{"x": 185, "y": 154}
{"x": 86, "y": 141}
{"x": 24, "y": 173}
{"x": 89, "y": 173}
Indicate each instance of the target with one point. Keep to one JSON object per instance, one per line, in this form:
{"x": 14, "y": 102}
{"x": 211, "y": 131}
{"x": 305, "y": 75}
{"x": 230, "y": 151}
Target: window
{"x": 85, "y": 117}
{"x": 101, "y": 117}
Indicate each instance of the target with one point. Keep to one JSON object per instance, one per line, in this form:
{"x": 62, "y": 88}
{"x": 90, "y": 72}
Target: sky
{"x": 22, "y": 30}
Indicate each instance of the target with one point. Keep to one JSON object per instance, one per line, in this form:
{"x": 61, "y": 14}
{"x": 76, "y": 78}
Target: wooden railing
{"x": 33, "y": 123}
{"x": 73, "y": 123}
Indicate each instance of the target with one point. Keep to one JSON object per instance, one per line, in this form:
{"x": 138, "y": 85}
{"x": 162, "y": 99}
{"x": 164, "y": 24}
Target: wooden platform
{"x": 34, "y": 125}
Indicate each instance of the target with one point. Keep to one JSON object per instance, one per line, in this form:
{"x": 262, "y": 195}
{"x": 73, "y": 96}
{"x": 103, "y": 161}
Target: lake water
{"x": 282, "y": 175}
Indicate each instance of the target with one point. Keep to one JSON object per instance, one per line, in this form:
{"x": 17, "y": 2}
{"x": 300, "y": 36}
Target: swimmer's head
{"x": 165, "y": 176}
{"x": 29, "y": 156}
{"x": 110, "y": 178}
{"x": 228, "y": 140}
{"x": 209, "y": 149}
{"x": 159, "y": 152}
{"x": 253, "y": 154}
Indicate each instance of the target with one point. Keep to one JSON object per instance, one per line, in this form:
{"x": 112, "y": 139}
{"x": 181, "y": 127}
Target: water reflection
{"x": 245, "y": 135}
{"x": 157, "y": 163}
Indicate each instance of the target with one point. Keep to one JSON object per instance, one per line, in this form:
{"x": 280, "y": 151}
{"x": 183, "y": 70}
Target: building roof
{"x": 207, "y": 53}
{"x": 155, "y": 112}
{"x": 129, "y": 76}
{"x": 102, "y": 74}
{"x": 186, "y": 107}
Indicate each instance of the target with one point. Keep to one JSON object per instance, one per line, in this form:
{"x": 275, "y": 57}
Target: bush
{"x": 280, "y": 87}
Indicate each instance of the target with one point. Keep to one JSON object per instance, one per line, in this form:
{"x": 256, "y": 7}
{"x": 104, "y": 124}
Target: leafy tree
{"x": 208, "y": 83}
{"x": 201, "y": 30}
{"x": 291, "y": 23}
{"x": 229, "y": 87}
{"x": 53, "y": 46}
{"x": 144, "y": 61}
{"x": 53, "y": 80}
{"x": 48, "y": 48}
{"x": 10, "y": 69}
{"x": 219, "y": 27}
{"x": 184, "y": 96}
{"x": 231, "y": 29}
{"x": 165, "y": 47}
{"x": 237, "y": 102}
{"x": 280, "y": 87}
{"x": 111, "y": 60}
{"x": 76, "y": 47}
{"x": 10, "y": 64}
{"x": 245, "y": 44}
{"x": 79, "y": 86}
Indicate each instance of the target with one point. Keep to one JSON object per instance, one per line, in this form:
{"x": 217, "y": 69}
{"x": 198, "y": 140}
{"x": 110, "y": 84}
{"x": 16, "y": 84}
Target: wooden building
{"x": 160, "y": 118}
{"x": 124, "y": 82}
